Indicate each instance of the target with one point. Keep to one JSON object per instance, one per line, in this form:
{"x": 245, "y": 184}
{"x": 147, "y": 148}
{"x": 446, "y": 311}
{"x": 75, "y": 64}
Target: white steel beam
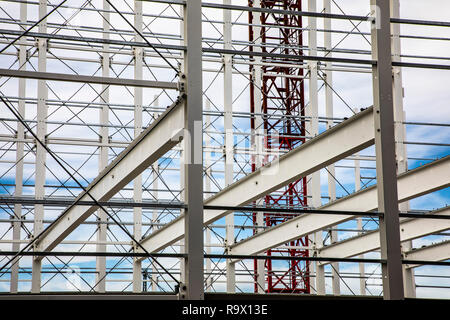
{"x": 362, "y": 280}
{"x": 138, "y": 106}
{"x": 22, "y": 52}
{"x": 409, "y": 229}
{"x": 87, "y": 79}
{"x": 229, "y": 141}
{"x": 400, "y": 131}
{"x": 312, "y": 127}
{"x": 208, "y": 269}
{"x": 100, "y": 276}
{"x": 42, "y": 111}
{"x": 414, "y": 183}
{"x": 435, "y": 252}
{"x": 155, "y": 216}
{"x": 337, "y": 143}
{"x": 330, "y": 114}
{"x": 154, "y": 142}
{"x": 258, "y": 137}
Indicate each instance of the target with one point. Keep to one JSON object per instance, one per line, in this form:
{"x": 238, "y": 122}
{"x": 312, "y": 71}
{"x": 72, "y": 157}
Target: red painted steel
{"x": 282, "y": 94}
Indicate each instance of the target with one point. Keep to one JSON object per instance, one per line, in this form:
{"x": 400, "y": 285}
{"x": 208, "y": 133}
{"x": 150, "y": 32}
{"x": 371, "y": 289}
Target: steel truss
{"x": 81, "y": 82}
{"x": 282, "y": 95}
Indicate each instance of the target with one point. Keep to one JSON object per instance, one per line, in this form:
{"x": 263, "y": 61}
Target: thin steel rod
{"x": 183, "y": 255}
{"x": 242, "y": 8}
{"x": 143, "y": 37}
{"x": 84, "y": 189}
{"x": 34, "y": 25}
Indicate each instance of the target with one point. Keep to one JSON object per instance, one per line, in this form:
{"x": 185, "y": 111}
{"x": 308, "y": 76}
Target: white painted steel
{"x": 364, "y": 200}
{"x": 154, "y": 142}
{"x": 342, "y": 140}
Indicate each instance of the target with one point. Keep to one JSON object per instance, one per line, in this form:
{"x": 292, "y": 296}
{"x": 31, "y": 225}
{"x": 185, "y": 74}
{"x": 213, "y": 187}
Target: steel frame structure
{"x": 162, "y": 149}
{"x": 281, "y": 92}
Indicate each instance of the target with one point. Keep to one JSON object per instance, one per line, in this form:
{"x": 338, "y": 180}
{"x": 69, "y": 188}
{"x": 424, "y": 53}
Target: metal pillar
{"x": 137, "y": 183}
{"x": 103, "y": 155}
{"x": 208, "y": 172}
{"x": 193, "y": 154}
{"x": 14, "y": 285}
{"x": 385, "y": 152}
{"x": 229, "y": 143}
{"x": 400, "y": 135}
{"x": 313, "y": 128}
{"x": 258, "y": 128}
{"x": 362, "y": 273}
{"x": 155, "y": 214}
{"x": 182, "y": 66}
{"x": 40, "y": 151}
{"x": 362, "y": 280}
{"x": 282, "y": 94}
{"x": 329, "y": 114}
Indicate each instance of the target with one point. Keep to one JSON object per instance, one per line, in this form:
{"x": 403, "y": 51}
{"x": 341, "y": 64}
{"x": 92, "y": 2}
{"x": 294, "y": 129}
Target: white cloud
{"x": 426, "y": 99}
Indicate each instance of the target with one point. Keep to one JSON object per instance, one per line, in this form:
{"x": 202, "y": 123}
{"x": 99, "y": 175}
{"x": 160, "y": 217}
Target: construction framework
{"x": 283, "y": 95}
{"x": 169, "y": 149}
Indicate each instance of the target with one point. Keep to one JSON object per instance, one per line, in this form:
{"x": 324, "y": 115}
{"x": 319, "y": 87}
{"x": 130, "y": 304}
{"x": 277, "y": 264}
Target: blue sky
{"x": 425, "y": 100}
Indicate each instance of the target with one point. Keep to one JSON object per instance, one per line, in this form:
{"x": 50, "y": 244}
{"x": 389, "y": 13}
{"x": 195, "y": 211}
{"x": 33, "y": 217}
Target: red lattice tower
{"x": 282, "y": 94}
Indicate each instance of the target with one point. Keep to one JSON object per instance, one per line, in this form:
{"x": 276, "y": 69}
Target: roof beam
{"x": 87, "y": 79}
{"x": 435, "y": 252}
{"x": 409, "y": 229}
{"x": 161, "y": 136}
{"x": 414, "y": 183}
{"x": 346, "y": 138}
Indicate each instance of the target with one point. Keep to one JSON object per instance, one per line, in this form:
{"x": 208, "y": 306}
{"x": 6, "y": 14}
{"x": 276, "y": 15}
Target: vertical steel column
{"x": 409, "y": 281}
{"x": 313, "y": 128}
{"x": 229, "y": 143}
{"x": 193, "y": 151}
{"x": 182, "y": 147}
{"x": 329, "y": 114}
{"x": 362, "y": 273}
{"x": 400, "y": 134}
{"x": 137, "y": 183}
{"x": 283, "y": 95}
{"x": 208, "y": 170}
{"x": 14, "y": 284}
{"x": 362, "y": 280}
{"x": 258, "y": 133}
{"x": 385, "y": 152}
{"x": 40, "y": 151}
{"x": 103, "y": 156}
{"x": 155, "y": 186}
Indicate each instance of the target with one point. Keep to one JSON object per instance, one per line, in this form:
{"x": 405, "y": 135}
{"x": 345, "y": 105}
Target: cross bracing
{"x": 90, "y": 77}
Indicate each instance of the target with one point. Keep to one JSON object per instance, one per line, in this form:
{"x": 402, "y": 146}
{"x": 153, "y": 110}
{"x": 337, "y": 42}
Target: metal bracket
{"x": 226, "y": 58}
{"x": 46, "y": 41}
{"x": 182, "y": 83}
{"x": 110, "y": 60}
{"x": 138, "y": 51}
{"x": 181, "y": 289}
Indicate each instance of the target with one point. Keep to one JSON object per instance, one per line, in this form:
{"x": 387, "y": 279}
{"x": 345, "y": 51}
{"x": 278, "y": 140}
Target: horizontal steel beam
{"x": 87, "y": 79}
{"x": 219, "y": 52}
{"x": 438, "y": 261}
{"x": 129, "y": 203}
{"x": 308, "y": 14}
{"x": 147, "y": 148}
{"x": 435, "y": 252}
{"x": 87, "y": 296}
{"x": 409, "y": 229}
{"x": 347, "y": 138}
{"x": 94, "y": 40}
{"x": 414, "y": 183}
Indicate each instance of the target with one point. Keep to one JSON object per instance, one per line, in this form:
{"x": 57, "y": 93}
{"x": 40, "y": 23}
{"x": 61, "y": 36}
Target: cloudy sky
{"x": 426, "y": 97}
